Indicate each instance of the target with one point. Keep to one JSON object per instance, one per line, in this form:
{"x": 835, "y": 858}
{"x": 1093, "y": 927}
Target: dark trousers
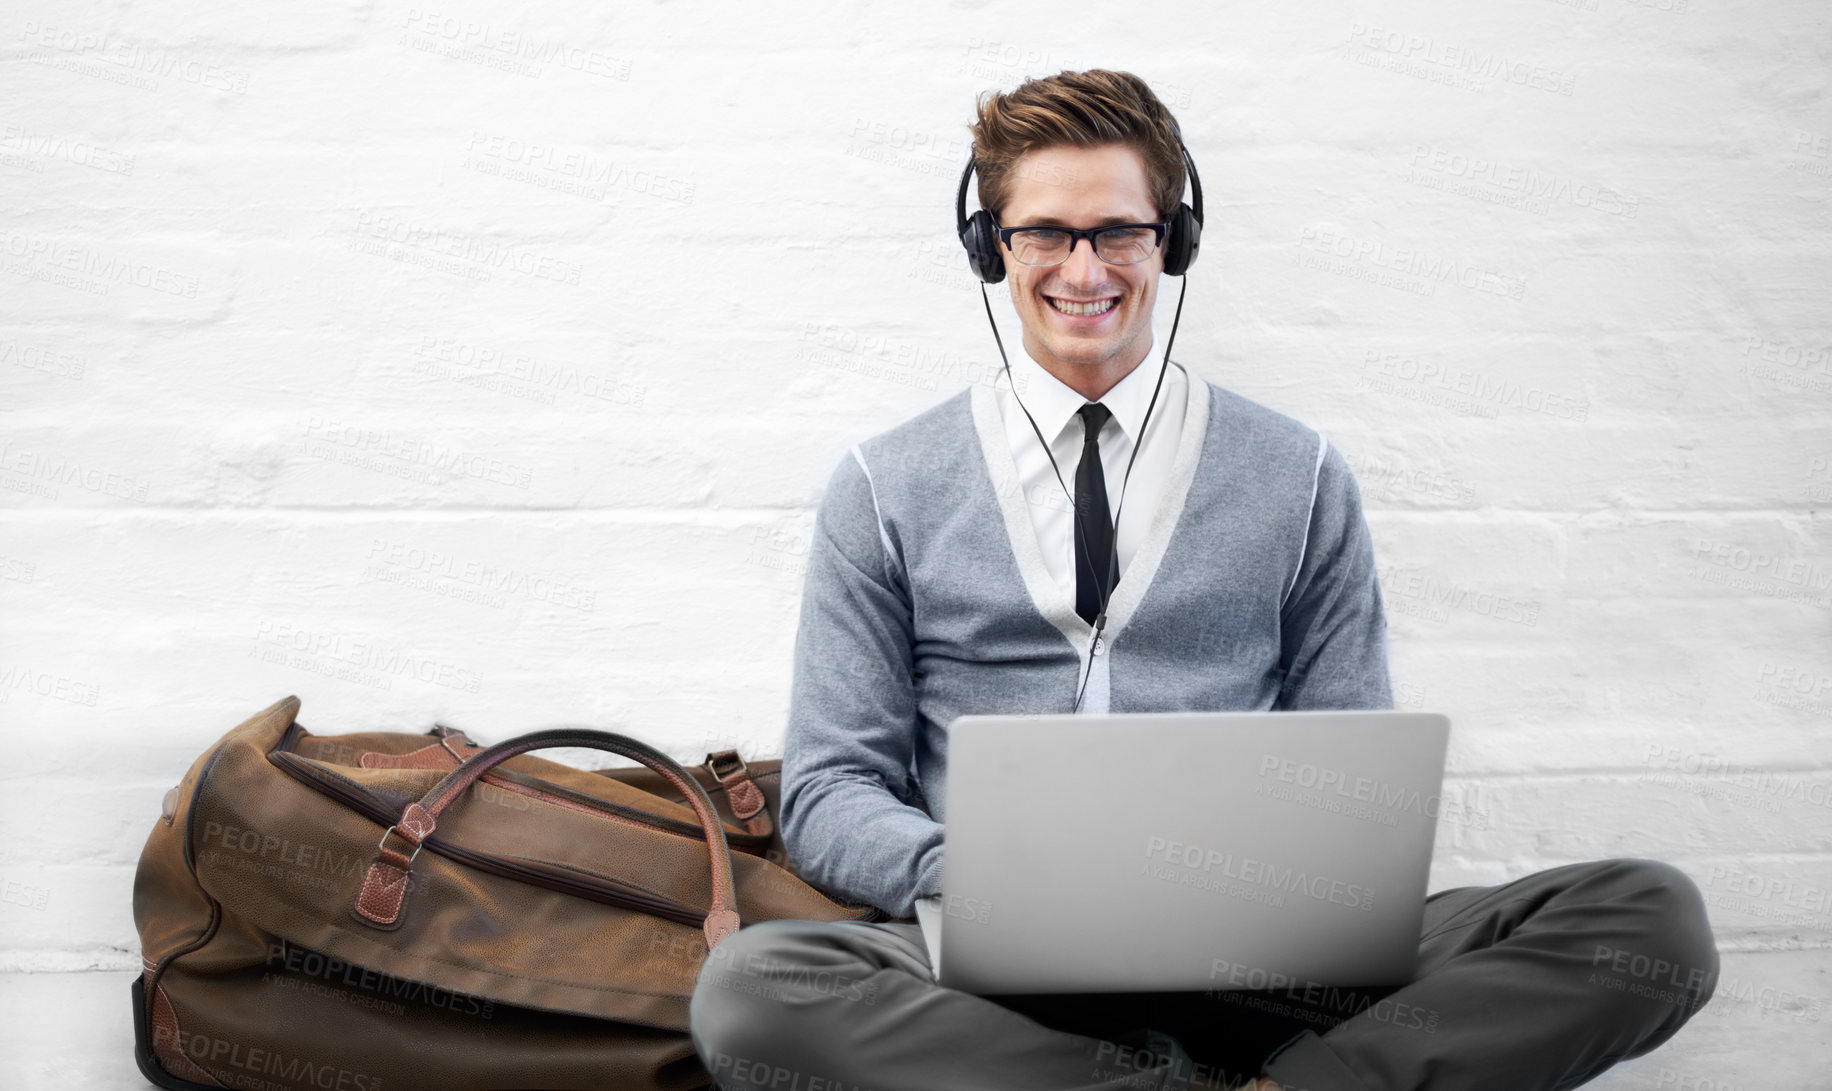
{"x": 1539, "y": 983}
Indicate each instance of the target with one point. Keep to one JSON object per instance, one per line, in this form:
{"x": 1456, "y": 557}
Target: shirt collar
{"x": 1054, "y": 404}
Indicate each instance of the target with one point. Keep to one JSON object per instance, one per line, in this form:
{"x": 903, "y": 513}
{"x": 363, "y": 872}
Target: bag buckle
{"x": 384, "y": 841}
{"x": 716, "y": 756}
{"x": 746, "y": 799}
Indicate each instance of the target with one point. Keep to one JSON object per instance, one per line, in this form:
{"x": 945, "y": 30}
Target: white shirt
{"x": 1054, "y": 406}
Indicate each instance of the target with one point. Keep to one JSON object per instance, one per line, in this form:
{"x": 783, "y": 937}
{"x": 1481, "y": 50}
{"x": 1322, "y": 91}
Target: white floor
{"x": 1770, "y": 1026}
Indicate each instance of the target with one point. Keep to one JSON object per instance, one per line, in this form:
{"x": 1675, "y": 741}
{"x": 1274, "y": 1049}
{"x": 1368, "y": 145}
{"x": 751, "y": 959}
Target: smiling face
{"x": 1068, "y": 186}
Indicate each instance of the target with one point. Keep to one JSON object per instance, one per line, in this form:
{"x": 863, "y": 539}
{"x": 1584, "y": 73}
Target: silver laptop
{"x": 1185, "y": 850}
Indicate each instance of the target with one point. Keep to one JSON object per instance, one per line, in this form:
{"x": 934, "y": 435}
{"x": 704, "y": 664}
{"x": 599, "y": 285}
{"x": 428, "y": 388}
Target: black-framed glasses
{"x": 1115, "y": 244}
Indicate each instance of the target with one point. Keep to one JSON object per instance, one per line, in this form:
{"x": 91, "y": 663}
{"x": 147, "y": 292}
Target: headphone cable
{"x": 1100, "y": 618}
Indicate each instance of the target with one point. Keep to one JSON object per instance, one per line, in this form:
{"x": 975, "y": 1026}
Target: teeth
{"x": 1083, "y": 309}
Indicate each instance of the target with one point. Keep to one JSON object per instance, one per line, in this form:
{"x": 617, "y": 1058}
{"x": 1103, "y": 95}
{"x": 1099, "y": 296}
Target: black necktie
{"x": 1094, "y": 540}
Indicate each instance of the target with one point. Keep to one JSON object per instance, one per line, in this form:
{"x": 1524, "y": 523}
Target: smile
{"x": 1082, "y": 310}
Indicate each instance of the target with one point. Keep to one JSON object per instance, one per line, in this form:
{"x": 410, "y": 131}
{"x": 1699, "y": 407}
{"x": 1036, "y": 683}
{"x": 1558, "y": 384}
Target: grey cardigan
{"x": 927, "y": 598}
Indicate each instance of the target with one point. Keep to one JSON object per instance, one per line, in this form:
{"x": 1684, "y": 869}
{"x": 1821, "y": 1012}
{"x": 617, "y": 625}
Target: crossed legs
{"x": 1541, "y": 983}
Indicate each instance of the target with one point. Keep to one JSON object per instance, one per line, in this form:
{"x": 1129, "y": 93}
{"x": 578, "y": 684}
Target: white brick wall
{"x": 1554, "y": 275}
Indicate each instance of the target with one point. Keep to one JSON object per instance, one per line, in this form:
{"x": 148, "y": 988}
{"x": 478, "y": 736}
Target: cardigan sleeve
{"x": 1333, "y": 626}
{"x": 850, "y": 820}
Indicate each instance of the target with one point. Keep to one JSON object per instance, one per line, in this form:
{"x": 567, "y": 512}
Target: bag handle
{"x": 725, "y": 767}
{"x": 384, "y": 886}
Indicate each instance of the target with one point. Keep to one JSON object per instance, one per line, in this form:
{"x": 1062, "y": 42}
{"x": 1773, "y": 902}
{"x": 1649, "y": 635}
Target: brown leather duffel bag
{"x": 387, "y": 911}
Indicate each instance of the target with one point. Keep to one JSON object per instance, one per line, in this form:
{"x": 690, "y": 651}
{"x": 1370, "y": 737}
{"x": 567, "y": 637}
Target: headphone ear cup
{"x": 1181, "y": 243}
{"x": 981, "y": 240}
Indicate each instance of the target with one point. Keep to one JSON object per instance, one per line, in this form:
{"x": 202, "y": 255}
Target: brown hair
{"x": 1085, "y": 109}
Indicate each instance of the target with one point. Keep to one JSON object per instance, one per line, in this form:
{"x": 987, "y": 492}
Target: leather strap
{"x": 458, "y": 744}
{"x": 435, "y": 756}
{"x": 385, "y": 883}
{"x": 453, "y": 748}
{"x": 748, "y": 803}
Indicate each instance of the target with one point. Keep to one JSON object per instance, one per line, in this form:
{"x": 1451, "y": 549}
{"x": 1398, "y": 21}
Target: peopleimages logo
{"x": 1535, "y": 186}
{"x": 1206, "y": 866}
{"x": 785, "y": 978}
{"x": 1361, "y": 789}
{"x": 1411, "y": 262}
{"x": 1259, "y": 988}
{"x": 313, "y": 964}
{"x": 295, "y": 1070}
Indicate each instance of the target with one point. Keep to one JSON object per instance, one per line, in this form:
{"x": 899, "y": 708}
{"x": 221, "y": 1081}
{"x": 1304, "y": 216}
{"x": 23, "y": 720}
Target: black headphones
{"x": 981, "y": 236}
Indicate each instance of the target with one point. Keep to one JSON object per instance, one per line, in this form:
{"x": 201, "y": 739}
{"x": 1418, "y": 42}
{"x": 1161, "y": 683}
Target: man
{"x": 949, "y": 575}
